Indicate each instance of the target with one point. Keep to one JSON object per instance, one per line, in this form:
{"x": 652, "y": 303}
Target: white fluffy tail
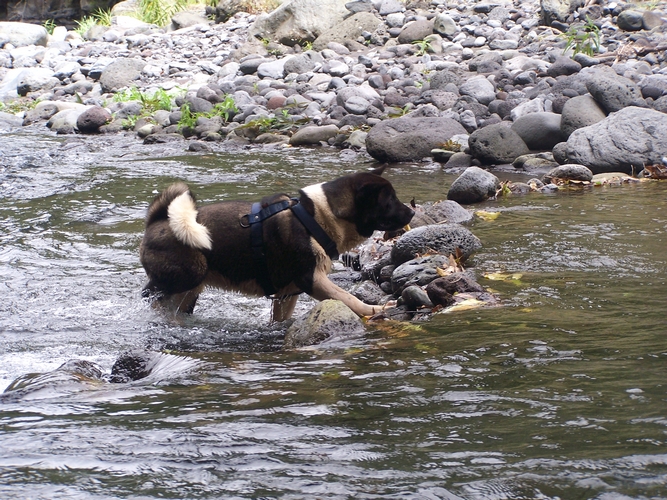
{"x": 183, "y": 222}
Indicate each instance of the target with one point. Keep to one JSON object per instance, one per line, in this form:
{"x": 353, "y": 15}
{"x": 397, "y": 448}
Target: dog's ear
{"x": 379, "y": 170}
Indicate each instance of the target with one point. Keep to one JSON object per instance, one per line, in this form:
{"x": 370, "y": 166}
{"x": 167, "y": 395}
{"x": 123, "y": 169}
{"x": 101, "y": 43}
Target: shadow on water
{"x": 560, "y": 393}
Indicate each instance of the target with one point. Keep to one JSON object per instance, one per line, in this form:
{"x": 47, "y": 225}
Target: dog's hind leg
{"x": 284, "y": 308}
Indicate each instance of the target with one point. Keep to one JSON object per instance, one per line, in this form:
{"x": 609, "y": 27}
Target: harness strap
{"x": 257, "y": 245}
{"x": 254, "y": 221}
{"x": 315, "y": 230}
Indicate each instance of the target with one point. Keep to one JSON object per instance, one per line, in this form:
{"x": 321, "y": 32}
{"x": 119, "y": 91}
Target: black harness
{"x": 254, "y": 220}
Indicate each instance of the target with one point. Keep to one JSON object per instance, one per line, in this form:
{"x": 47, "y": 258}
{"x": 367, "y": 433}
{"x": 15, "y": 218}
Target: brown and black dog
{"x": 186, "y": 248}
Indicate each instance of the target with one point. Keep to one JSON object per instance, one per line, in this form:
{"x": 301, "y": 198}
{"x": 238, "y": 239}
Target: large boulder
{"x": 121, "y": 73}
{"x": 406, "y": 139}
{"x": 441, "y": 238}
{"x": 35, "y": 80}
{"x": 540, "y": 131}
{"x": 350, "y": 29}
{"x": 473, "y": 185}
{"x": 296, "y": 21}
{"x": 612, "y": 91}
{"x": 578, "y": 112}
{"x": 327, "y": 319}
{"x": 496, "y": 143}
{"x": 622, "y": 142}
{"x": 23, "y": 34}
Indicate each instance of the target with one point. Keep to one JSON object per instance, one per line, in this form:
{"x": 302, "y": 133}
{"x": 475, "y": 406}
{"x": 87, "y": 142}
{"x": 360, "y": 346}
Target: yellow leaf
{"x": 503, "y": 276}
{"x": 486, "y": 215}
{"x": 465, "y": 305}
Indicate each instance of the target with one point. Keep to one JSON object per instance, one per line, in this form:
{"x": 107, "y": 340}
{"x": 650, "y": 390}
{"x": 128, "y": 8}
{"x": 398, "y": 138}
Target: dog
{"x": 186, "y": 248}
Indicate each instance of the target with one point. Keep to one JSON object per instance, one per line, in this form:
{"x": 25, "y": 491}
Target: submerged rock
{"x": 327, "y": 319}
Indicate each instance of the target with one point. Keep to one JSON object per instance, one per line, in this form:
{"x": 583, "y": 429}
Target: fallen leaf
{"x": 486, "y": 215}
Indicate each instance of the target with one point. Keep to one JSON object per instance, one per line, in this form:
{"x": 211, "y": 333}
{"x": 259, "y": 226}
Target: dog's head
{"x": 369, "y": 201}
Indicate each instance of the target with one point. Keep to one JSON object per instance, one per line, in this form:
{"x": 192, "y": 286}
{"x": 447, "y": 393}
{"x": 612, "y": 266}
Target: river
{"x": 561, "y": 393}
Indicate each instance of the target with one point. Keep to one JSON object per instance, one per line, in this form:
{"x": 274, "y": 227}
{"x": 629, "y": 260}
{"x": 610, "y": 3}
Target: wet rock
{"x": 274, "y": 70}
{"x": 536, "y": 162}
{"x": 496, "y": 144}
{"x": 369, "y": 292}
{"x": 329, "y": 318}
{"x": 442, "y": 238}
{"x": 71, "y": 377}
{"x": 92, "y": 119}
{"x": 578, "y": 112}
{"x": 442, "y": 290}
{"x": 473, "y": 186}
{"x": 419, "y": 272}
{"x": 415, "y": 298}
{"x": 404, "y": 139}
{"x": 448, "y": 211}
{"x": 622, "y": 142}
{"x": 568, "y": 172}
{"x": 540, "y": 131}
{"x": 65, "y": 121}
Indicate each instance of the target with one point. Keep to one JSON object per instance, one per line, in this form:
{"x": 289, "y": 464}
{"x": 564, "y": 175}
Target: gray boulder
{"x": 121, "y": 73}
{"x": 387, "y": 7}
{"x": 440, "y": 238}
{"x": 622, "y": 142}
{"x": 473, "y": 185}
{"x": 554, "y": 10}
{"x": 613, "y": 92}
{"x": 444, "y": 25}
{"x": 313, "y": 135}
{"x": 496, "y": 143}
{"x": 479, "y": 88}
{"x": 23, "y": 34}
{"x": 416, "y": 30}
{"x": 448, "y": 211}
{"x": 405, "y": 139}
{"x": 303, "y": 63}
{"x": 274, "y": 70}
{"x": 65, "y": 121}
{"x": 630, "y": 20}
{"x": 568, "y": 172}
{"x": 35, "y": 80}
{"x": 296, "y": 21}
{"x": 578, "y": 112}
{"x": 329, "y": 318}
{"x": 349, "y": 29}
{"x": 540, "y": 131}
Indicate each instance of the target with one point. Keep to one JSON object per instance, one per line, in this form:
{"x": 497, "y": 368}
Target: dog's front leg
{"x": 324, "y": 289}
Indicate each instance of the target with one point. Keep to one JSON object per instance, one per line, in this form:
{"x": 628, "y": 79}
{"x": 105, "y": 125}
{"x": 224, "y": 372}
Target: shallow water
{"x": 560, "y": 393}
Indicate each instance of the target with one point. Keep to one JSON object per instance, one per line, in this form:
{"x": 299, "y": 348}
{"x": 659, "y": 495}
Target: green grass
{"x": 582, "y": 39}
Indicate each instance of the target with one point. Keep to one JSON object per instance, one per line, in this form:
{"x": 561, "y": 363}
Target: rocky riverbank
{"x": 479, "y": 84}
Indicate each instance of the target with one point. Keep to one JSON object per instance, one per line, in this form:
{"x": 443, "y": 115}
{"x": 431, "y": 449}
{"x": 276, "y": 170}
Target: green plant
{"x": 84, "y": 24}
{"x": 584, "y": 39}
{"x": 130, "y": 122}
{"x": 160, "y": 12}
{"x": 160, "y": 99}
{"x": 49, "y": 26}
{"x": 226, "y": 108}
{"x": 423, "y": 46}
{"x": 188, "y": 118}
{"x": 103, "y": 17}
